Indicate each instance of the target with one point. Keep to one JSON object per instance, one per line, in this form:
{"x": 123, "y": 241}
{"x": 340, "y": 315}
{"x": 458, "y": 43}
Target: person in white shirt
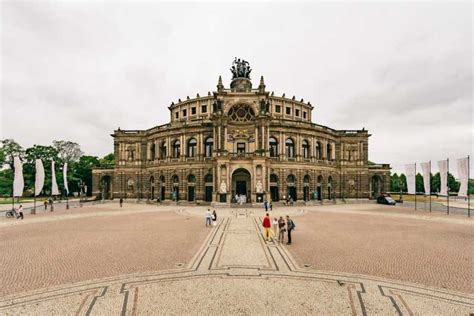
{"x": 208, "y": 218}
{"x": 20, "y": 212}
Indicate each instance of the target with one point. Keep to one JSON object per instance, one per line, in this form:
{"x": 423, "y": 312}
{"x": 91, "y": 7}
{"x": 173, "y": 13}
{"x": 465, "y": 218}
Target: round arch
{"x": 241, "y": 185}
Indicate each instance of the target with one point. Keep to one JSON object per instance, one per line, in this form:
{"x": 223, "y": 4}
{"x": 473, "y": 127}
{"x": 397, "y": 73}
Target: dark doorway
{"x": 292, "y": 193}
{"x": 241, "y": 187}
{"x": 319, "y": 191}
{"x": 208, "y": 197}
{"x": 306, "y": 193}
{"x": 190, "y": 193}
{"x": 274, "y": 193}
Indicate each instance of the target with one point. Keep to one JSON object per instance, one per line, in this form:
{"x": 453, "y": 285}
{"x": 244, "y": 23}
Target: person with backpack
{"x": 291, "y": 226}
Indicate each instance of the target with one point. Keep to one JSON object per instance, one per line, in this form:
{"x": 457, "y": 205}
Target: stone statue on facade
{"x": 217, "y": 106}
{"x": 264, "y": 106}
{"x": 240, "y": 69}
{"x": 223, "y": 188}
{"x": 259, "y": 187}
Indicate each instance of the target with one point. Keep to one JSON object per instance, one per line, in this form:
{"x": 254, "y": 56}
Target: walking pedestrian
{"x": 121, "y": 202}
{"x": 291, "y": 226}
{"x": 266, "y": 227}
{"x": 214, "y": 218}
{"x": 282, "y": 229}
{"x": 20, "y": 212}
{"x": 275, "y": 227}
{"x": 45, "y": 205}
{"x": 208, "y": 218}
{"x": 265, "y": 205}
{"x": 271, "y": 206}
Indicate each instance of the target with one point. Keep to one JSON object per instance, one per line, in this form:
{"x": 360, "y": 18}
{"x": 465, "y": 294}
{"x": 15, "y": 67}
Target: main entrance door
{"x": 241, "y": 184}
{"x": 241, "y": 187}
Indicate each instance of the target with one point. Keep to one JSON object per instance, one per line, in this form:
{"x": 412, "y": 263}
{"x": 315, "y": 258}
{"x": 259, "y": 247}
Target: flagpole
{"x": 468, "y": 197}
{"x": 447, "y": 185}
{"x": 430, "y": 185}
{"x": 415, "y": 186}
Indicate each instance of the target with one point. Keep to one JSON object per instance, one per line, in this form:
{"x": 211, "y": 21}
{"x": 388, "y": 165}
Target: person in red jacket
{"x": 267, "y": 224}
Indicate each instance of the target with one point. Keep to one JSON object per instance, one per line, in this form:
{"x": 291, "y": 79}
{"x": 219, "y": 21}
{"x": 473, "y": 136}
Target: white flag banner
{"x": 426, "y": 168}
{"x": 65, "y": 178}
{"x": 411, "y": 178}
{"x": 39, "y": 177}
{"x": 443, "y": 173}
{"x": 18, "y": 182}
{"x": 54, "y": 184}
{"x": 463, "y": 170}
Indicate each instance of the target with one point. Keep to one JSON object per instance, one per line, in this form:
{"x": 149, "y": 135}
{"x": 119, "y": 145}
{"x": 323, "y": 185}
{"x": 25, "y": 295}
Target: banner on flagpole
{"x": 426, "y": 168}
{"x": 18, "y": 181}
{"x": 65, "y": 178}
{"x": 463, "y": 171}
{"x": 39, "y": 177}
{"x": 443, "y": 173}
{"x": 410, "y": 170}
{"x": 54, "y": 184}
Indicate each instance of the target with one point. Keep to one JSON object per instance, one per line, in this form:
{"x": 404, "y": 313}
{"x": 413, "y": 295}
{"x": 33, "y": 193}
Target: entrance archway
{"x": 105, "y": 187}
{"x": 162, "y": 188}
{"x": 306, "y": 181}
{"x": 376, "y": 186}
{"x": 319, "y": 188}
{"x": 291, "y": 187}
{"x": 241, "y": 184}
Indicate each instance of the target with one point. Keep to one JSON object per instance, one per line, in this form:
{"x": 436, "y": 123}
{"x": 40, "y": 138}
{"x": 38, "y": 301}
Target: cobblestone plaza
{"x": 145, "y": 259}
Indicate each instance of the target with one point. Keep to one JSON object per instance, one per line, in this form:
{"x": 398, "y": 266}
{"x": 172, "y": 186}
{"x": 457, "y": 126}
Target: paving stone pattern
{"x": 225, "y": 278}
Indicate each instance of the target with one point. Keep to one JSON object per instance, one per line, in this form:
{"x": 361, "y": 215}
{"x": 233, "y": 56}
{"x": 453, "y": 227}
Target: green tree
{"x": 403, "y": 180}
{"x": 394, "y": 183}
{"x": 453, "y": 184}
{"x": 420, "y": 188}
{"x": 435, "y": 182}
{"x": 6, "y": 182}
{"x": 46, "y": 154}
{"x": 82, "y": 171}
{"x": 470, "y": 186}
{"x": 107, "y": 160}
{"x": 9, "y": 148}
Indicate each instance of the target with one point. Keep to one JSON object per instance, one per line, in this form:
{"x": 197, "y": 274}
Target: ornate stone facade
{"x": 241, "y": 141}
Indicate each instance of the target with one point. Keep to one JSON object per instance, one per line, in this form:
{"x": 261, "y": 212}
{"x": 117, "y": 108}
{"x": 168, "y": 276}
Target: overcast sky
{"x": 78, "y": 70}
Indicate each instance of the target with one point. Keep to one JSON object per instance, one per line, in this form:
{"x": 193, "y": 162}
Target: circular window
{"x": 241, "y": 113}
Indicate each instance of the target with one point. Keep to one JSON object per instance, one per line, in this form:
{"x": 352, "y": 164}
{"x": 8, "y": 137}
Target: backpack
{"x": 291, "y": 224}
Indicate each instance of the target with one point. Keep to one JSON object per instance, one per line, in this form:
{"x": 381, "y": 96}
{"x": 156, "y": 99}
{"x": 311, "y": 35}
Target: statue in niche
{"x": 259, "y": 187}
{"x": 223, "y": 187}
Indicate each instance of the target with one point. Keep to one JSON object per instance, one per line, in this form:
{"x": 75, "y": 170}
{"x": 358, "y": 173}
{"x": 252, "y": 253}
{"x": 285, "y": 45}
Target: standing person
{"x": 121, "y": 202}
{"x": 271, "y": 206}
{"x": 266, "y": 226}
{"x": 275, "y": 227}
{"x": 265, "y": 205}
{"x": 20, "y": 212}
{"x": 208, "y": 217}
{"x": 214, "y": 218}
{"x": 45, "y": 205}
{"x": 282, "y": 229}
{"x": 291, "y": 225}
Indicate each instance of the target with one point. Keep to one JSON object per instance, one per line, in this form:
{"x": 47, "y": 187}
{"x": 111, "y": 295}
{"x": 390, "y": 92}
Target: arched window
{"x": 176, "y": 148}
{"x": 191, "y": 178}
{"x": 208, "y": 178}
{"x": 208, "y": 145}
{"x": 306, "y": 180}
{"x": 290, "y": 148}
{"x": 163, "y": 150}
{"x": 175, "y": 180}
{"x": 273, "y": 178}
{"x": 290, "y": 179}
{"x": 273, "y": 147}
{"x": 192, "y": 147}
{"x": 152, "y": 151}
{"x": 319, "y": 150}
{"x": 305, "y": 148}
{"x": 329, "y": 151}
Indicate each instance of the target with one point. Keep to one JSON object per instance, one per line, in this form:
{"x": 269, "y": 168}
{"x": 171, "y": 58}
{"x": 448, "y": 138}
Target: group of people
{"x": 211, "y": 218}
{"x": 288, "y": 200}
{"x": 240, "y": 199}
{"x": 268, "y": 205}
{"x": 280, "y": 226}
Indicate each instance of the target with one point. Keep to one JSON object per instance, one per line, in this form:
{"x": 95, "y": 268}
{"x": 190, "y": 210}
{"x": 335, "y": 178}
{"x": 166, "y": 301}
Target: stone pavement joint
{"x": 237, "y": 272}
